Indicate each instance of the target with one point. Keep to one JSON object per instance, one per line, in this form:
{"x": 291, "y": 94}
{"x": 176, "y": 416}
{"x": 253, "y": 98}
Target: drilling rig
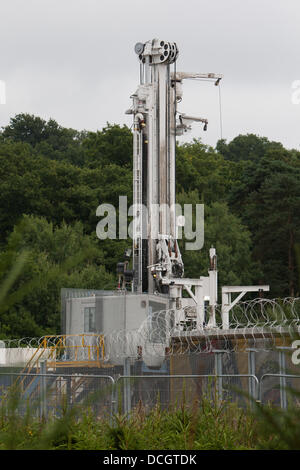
{"x": 157, "y": 262}
{"x": 156, "y": 280}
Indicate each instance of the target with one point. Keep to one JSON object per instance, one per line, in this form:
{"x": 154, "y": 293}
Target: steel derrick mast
{"x": 149, "y": 309}
{"x": 155, "y": 249}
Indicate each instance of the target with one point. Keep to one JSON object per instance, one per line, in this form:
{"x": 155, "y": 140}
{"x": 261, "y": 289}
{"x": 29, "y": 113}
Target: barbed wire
{"x": 258, "y": 323}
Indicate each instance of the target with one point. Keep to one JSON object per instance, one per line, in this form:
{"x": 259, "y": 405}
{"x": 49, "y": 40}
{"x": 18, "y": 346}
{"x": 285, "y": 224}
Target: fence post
{"x": 43, "y": 389}
{"x": 68, "y": 392}
{"x": 253, "y": 393}
{"x": 114, "y": 399}
{"x": 282, "y": 371}
{"x": 218, "y": 371}
{"x": 127, "y": 391}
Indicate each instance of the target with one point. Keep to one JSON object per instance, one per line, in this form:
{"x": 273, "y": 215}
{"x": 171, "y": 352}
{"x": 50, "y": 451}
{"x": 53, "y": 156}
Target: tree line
{"x": 52, "y": 179}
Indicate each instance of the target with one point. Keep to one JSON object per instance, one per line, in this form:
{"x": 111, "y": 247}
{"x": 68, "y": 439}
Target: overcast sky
{"x": 74, "y": 61}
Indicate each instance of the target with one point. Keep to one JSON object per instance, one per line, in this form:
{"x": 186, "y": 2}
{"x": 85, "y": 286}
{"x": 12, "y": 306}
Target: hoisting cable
{"x": 220, "y": 111}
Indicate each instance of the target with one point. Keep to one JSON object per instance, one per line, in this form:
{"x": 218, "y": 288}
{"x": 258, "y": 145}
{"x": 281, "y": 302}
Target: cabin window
{"x": 89, "y": 320}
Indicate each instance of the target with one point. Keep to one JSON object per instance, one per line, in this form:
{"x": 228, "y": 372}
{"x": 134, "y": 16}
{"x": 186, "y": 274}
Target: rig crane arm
{"x": 179, "y": 76}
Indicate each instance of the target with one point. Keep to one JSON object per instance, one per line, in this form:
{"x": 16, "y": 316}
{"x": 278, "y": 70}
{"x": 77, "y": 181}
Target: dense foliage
{"x": 205, "y": 425}
{"x": 226, "y": 427}
{"x": 52, "y": 179}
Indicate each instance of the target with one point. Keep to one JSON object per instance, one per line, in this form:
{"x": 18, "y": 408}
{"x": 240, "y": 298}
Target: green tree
{"x": 201, "y": 168}
{"x": 56, "y": 257}
{"x": 229, "y": 236}
{"x": 111, "y": 145}
{"x": 46, "y": 137}
{"x": 275, "y": 222}
{"x": 247, "y": 147}
{"x": 31, "y": 184}
{"x": 266, "y": 198}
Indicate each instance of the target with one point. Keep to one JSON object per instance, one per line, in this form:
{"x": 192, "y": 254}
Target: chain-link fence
{"x": 219, "y": 376}
{"x": 45, "y": 395}
{"x": 157, "y": 364}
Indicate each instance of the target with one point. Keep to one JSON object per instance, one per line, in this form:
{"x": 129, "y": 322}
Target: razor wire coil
{"x": 259, "y": 323}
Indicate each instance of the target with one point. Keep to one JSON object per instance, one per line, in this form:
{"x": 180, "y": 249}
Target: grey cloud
{"x": 74, "y": 60}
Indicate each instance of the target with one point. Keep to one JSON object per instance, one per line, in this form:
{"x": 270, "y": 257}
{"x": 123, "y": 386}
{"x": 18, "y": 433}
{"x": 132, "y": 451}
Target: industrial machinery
{"x": 155, "y": 281}
{"x": 157, "y": 262}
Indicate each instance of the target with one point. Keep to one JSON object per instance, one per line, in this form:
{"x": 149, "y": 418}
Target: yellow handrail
{"x": 56, "y": 344}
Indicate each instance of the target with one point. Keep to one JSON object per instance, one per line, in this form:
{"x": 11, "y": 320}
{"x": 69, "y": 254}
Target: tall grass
{"x": 199, "y": 426}
{"x": 183, "y": 425}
